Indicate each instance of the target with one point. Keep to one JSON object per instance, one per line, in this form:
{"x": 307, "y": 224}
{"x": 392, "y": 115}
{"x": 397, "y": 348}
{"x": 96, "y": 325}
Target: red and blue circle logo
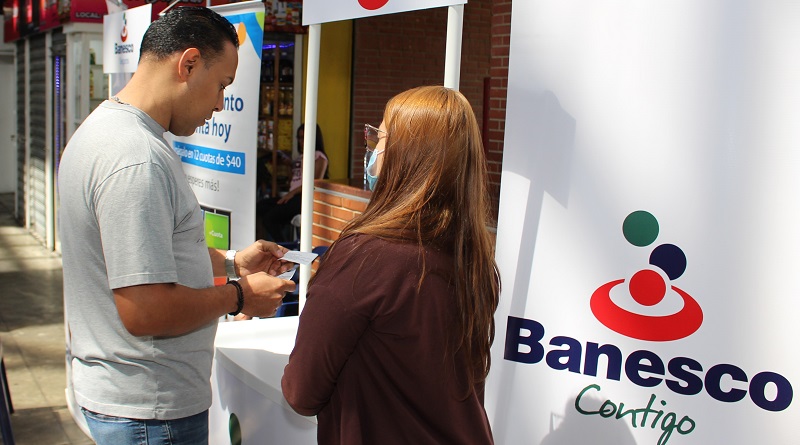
{"x": 648, "y": 287}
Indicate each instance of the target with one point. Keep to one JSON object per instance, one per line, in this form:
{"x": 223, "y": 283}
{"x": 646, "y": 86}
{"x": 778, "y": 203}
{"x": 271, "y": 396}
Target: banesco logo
{"x": 123, "y": 35}
{"x": 648, "y": 288}
{"x": 123, "y": 48}
{"x": 528, "y": 342}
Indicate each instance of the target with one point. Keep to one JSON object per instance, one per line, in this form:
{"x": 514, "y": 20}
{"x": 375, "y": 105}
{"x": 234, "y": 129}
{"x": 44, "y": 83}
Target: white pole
{"x": 309, "y": 145}
{"x": 452, "y": 57}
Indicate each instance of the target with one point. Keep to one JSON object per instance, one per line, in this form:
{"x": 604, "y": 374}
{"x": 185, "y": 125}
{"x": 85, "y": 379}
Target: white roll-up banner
{"x": 647, "y": 234}
{"x": 122, "y": 38}
{"x": 220, "y": 157}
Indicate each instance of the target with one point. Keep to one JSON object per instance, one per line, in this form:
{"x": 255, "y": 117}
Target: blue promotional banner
{"x": 211, "y": 159}
{"x": 220, "y": 157}
{"x": 650, "y": 168}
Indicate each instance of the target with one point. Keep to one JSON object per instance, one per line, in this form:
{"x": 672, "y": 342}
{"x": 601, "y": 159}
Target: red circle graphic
{"x": 643, "y": 327}
{"x": 372, "y": 4}
{"x": 647, "y": 287}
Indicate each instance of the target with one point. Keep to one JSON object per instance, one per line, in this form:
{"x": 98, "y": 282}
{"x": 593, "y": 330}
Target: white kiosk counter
{"x": 248, "y": 406}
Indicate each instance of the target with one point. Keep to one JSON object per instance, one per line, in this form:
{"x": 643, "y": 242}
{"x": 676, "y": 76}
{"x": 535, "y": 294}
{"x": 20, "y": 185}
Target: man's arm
{"x": 168, "y": 309}
{"x": 218, "y": 261}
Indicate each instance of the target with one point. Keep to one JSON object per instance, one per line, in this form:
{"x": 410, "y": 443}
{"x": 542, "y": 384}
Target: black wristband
{"x": 239, "y": 296}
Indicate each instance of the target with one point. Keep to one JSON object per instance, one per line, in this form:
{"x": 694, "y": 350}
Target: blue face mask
{"x": 371, "y": 179}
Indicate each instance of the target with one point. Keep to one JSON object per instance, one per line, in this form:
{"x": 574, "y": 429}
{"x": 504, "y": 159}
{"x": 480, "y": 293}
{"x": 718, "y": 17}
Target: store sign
{"x": 323, "y": 11}
{"x": 122, "y": 37}
{"x": 650, "y": 168}
{"x": 27, "y": 15}
{"x": 219, "y": 159}
{"x": 11, "y": 20}
{"x": 48, "y": 15}
{"x": 89, "y": 11}
{"x": 92, "y": 11}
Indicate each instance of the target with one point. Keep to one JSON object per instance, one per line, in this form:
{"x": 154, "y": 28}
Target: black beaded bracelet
{"x": 239, "y": 296}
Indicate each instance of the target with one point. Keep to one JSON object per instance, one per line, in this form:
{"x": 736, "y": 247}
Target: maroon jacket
{"x": 370, "y": 357}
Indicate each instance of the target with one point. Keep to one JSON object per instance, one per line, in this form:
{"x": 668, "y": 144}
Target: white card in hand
{"x": 295, "y": 256}
{"x": 288, "y": 274}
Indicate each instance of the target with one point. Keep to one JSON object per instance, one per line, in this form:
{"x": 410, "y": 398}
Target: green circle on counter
{"x": 235, "y": 430}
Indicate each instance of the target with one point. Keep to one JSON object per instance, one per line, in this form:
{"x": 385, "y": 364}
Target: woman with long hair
{"x": 393, "y": 343}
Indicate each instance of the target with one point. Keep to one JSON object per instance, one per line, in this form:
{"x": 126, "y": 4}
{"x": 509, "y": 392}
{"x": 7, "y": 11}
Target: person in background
{"x": 275, "y": 213}
{"x": 140, "y": 306}
{"x": 393, "y": 342}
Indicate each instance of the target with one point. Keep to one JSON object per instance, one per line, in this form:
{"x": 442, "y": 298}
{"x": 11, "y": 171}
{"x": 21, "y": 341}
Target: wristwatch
{"x": 230, "y": 269}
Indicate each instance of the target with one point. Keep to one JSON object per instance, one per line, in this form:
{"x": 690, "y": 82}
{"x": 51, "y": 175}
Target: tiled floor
{"x": 32, "y": 332}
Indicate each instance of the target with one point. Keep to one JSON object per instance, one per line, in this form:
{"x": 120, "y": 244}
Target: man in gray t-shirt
{"x": 140, "y": 305}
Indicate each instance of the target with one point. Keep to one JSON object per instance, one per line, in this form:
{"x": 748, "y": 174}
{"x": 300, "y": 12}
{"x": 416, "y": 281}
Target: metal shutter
{"x": 21, "y": 178}
{"x": 37, "y": 193}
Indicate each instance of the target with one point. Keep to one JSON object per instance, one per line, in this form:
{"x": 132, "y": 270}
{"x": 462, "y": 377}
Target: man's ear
{"x": 188, "y": 62}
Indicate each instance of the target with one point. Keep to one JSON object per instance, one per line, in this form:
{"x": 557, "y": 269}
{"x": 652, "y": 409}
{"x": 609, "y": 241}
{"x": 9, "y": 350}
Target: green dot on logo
{"x": 640, "y": 228}
{"x": 235, "y": 430}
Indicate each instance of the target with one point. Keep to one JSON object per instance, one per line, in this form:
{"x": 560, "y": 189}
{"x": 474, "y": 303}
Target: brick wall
{"x": 401, "y": 51}
{"x": 396, "y": 52}
{"x": 498, "y": 85}
{"x": 334, "y": 206}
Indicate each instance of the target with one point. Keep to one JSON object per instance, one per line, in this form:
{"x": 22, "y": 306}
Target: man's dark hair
{"x": 188, "y": 27}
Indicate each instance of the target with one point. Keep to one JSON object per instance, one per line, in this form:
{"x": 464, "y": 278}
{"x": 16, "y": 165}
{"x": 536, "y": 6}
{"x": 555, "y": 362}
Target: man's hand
{"x": 263, "y": 294}
{"x": 261, "y": 256}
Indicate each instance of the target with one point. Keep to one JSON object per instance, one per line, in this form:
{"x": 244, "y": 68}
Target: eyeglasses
{"x": 371, "y": 137}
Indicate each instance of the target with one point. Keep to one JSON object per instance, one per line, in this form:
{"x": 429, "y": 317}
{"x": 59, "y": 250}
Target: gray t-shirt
{"x": 128, "y": 217}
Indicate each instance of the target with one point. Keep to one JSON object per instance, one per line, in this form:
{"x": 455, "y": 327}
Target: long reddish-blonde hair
{"x": 432, "y": 191}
